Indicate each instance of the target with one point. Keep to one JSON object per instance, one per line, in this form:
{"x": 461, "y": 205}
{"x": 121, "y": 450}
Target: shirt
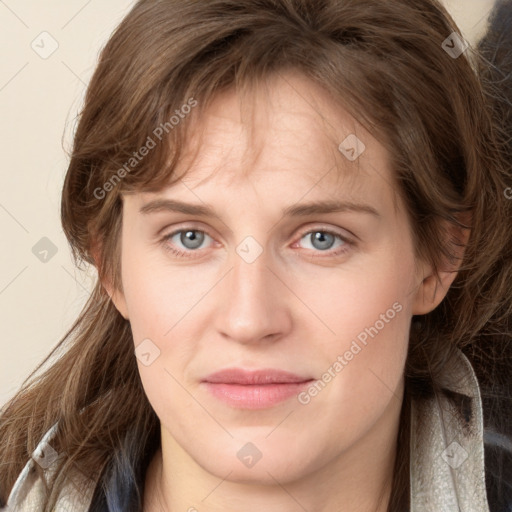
{"x": 447, "y": 472}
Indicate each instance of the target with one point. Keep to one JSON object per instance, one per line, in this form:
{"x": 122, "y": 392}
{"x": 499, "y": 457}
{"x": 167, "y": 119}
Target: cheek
{"x": 366, "y": 349}
{"x": 163, "y": 303}
{"x": 372, "y": 294}
{"x": 157, "y": 294}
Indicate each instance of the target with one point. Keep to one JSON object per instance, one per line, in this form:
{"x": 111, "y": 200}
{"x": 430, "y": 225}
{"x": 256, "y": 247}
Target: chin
{"x": 259, "y": 462}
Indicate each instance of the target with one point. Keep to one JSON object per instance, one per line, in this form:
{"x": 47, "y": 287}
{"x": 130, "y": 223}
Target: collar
{"x": 447, "y": 451}
{"x": 29, "y": 489}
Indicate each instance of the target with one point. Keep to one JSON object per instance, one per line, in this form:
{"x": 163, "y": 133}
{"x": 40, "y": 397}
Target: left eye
{"x": 323, "y": 238}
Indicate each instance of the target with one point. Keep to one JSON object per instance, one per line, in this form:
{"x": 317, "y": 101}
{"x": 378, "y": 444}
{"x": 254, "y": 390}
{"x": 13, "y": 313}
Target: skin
{"x": 287, "y": 309}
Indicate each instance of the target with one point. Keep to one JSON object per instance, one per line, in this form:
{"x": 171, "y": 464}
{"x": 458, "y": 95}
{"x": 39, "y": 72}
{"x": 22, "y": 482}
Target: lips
{"x": 248, "y": 377}
{"x": 260, "y": 389}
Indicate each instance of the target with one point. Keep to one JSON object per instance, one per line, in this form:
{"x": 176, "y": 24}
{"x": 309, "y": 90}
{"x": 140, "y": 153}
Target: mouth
{"x": 259, "y": 389}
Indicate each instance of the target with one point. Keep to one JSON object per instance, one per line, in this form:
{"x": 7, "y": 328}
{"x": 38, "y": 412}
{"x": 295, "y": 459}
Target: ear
{"x": 432, "y": 289}
{"x": 116, "y": 295}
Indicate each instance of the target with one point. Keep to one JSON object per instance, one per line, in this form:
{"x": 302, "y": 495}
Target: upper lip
{"x": 264, "y": 376}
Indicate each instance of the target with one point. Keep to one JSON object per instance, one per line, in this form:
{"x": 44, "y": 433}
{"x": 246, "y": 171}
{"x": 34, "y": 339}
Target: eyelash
{"x": 186, "y": 252}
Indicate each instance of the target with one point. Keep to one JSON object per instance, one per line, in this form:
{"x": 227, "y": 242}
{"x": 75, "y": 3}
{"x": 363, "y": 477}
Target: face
{"x": 265, "y": 281}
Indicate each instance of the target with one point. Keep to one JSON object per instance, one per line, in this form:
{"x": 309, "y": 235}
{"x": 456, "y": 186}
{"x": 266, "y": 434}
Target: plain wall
{"x": 40, "y": 95}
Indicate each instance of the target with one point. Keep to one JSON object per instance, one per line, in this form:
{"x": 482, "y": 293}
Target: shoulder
{"x": 29, "y": 494}
{"x": 29, "y": 491}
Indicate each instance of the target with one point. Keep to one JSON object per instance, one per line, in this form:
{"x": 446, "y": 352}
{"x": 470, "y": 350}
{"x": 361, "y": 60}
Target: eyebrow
{"x": 297, "y": 210}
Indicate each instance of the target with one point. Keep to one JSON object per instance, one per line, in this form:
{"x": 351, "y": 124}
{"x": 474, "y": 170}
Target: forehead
{"x": 288, "y": 134}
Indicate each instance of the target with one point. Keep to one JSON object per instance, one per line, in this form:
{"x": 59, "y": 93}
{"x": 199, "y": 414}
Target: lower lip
{"x": 258, "y": 396}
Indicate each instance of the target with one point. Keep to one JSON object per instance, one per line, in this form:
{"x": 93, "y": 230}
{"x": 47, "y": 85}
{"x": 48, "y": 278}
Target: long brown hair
{"x": 385, "y": 62}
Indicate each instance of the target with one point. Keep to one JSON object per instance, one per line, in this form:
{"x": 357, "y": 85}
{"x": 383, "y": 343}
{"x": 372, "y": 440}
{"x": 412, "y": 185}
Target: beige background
{"x": 39, "y": 99}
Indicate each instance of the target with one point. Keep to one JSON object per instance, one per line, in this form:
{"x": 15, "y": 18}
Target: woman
{"x": 299, "y": 216}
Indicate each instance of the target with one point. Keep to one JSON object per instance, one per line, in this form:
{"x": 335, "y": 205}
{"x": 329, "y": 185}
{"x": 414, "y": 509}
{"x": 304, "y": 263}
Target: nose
{"x": 253, "y": 303}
